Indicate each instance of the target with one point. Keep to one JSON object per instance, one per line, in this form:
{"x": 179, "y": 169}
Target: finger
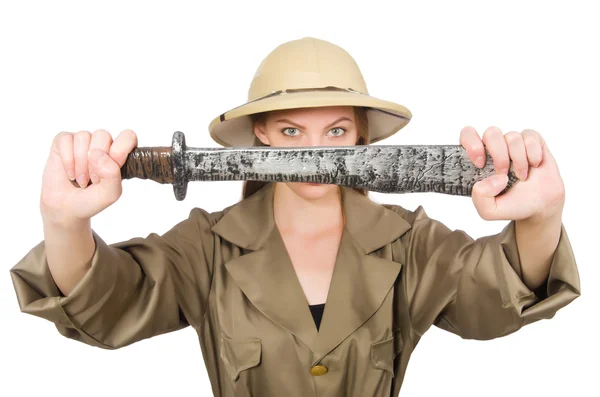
{"x": 124, "y": 143}
{"x": 101, "y": 140}
{"x": 63, "y": 146}
{"x": 81, "y": 144}
{"x": 470, "y": 140}
{"x": 103, "y": 165}
{"x": 484, "y": 195}
{"x": 518, "y": 154}
{"x": 496, "y": 145}
{"x": 109, "y": 187}
{"x": 534, "y": 147}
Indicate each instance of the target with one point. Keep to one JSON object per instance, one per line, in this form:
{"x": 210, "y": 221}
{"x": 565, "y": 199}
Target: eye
{"x": 337, "y": 131}
{"x": 290, "y": 131}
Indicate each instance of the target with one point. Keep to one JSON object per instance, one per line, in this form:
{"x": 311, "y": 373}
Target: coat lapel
{"x": 268, "y": 279}
{"x": 358, "y": 287}
{"x": 266, "y": 275}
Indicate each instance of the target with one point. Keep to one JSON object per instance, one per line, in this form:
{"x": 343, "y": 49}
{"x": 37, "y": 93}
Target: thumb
{"x": 484, "y": 195}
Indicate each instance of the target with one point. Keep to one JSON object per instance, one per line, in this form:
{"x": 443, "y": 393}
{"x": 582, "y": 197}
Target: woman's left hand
{"x": 538, "y": 195}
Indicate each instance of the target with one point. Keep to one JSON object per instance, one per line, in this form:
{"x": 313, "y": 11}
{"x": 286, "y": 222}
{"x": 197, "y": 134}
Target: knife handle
{"x": 154, "y": 163}
{"x": 160, "y": 164}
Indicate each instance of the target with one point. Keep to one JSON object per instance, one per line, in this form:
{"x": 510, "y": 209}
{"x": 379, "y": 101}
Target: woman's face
{"x": 322, "y": 126}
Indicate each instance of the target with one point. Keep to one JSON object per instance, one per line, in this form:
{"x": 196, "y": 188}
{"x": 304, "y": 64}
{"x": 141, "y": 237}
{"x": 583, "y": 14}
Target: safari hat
{"x": 307, "y": 73}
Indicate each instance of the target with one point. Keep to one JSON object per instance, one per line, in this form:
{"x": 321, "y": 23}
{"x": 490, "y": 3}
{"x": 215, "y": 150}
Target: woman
{"x": 253, "y": 278}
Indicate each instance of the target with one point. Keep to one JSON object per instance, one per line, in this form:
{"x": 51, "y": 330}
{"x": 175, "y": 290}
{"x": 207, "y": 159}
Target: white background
{"x": 174, "y": 66}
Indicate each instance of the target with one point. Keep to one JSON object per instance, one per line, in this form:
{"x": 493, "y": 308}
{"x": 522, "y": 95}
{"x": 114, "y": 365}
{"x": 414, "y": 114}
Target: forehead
{"x": 324, "y": 114}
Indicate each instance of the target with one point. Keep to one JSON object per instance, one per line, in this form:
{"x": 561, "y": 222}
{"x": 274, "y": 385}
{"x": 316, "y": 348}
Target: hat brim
{"x": 234, "y": 128}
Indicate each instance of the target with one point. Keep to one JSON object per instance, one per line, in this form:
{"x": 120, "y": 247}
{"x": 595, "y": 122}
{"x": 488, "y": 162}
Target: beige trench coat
{"x": 228, "y": 275}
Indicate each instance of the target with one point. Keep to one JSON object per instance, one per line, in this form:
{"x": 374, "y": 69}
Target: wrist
{"x": 62, "y": 224}
{"x": 542, "y": 220}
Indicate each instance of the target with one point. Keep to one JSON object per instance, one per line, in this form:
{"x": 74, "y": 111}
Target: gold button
{"x": 318, "y": 370}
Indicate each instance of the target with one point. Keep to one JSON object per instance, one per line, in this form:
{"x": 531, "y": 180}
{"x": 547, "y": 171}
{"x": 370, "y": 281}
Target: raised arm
{"x": 109, "y": 296}
{"x": 474, "y": 287}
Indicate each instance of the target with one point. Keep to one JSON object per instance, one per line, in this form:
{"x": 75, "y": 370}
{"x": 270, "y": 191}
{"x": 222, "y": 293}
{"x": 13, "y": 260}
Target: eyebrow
{"x": 300, "y": 126}
{"x": 289, "y": 122}
{"x": 338, "y": 120}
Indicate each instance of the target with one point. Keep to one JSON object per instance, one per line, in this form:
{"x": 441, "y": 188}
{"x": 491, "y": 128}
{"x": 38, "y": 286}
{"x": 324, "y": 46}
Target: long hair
{"x": 362, "y": 124}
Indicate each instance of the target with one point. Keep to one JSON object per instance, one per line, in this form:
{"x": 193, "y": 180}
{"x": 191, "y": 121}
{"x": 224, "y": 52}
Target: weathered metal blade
{"x": 387, "y": 169}
{"x": 379, "y": 168}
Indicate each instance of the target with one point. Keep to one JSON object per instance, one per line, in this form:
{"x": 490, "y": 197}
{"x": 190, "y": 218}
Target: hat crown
{"x": 304, "y": 64}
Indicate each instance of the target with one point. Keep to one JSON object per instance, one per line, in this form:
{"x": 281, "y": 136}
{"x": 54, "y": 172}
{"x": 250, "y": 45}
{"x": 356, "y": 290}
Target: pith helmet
{"x": 307, "y": 73}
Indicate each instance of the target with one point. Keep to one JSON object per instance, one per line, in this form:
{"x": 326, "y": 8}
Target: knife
{"x": 379, "y": 168}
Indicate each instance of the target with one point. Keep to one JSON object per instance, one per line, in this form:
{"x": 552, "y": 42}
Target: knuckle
{"x": 82, "y": 134}
{"x": 491, "y": 132}
{"x": 467, "y": 131}
{"x": 533, "y": 136}
{"x": 101, "y": 139}
{"x": 63, "y": 135}
{"x": 101, "y": 134}
{"x": 131, "y": 136}
{"x": 61, "y": 138}
{"x": 529, "y": 131}
{"x": 513, "y": 137}
{"x": 128, "y": 133}
{"x": 82, "y": 137}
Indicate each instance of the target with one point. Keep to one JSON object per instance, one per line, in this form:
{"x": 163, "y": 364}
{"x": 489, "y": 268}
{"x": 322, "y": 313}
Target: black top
{"x": 317, "y": 313}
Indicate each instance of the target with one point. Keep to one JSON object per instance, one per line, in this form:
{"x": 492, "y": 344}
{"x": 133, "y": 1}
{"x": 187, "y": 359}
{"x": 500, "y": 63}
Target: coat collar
{"x": 249, "y": 223}
{"x": 360, "y": 281}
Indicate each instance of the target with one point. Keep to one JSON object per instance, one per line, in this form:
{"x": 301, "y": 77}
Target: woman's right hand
{"x": 83, "y": 157}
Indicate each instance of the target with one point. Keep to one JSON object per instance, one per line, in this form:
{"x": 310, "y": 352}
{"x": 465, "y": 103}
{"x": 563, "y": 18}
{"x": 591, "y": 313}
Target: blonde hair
{"x": 362, "y": 125}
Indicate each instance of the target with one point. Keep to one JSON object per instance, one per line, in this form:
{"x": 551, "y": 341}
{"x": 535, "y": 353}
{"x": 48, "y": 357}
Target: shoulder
{"x": 411, "y": 216}
{"x": 421, "y": 226}
{"x": 206, "y": 216}
{"x": 210, "y": 217}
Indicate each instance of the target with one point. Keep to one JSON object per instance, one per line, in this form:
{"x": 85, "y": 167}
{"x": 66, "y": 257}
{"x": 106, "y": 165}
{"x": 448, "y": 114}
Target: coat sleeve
{"x": 473, "y": 287}
{"x": 133, "y": 290}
